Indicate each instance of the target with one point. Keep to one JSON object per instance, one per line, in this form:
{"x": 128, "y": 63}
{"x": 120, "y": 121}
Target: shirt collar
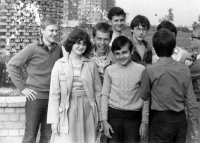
{"x": 45, "y": 47}
{"x": 102, "y": 57}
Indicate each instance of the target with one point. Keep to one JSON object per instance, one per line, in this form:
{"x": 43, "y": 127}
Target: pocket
{"x": 61, "y": 115}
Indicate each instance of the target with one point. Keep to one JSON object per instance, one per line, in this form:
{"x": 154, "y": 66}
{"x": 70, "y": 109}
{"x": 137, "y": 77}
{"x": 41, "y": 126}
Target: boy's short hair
{"x": 140, "y": 20}
{"x": 120, "y": 42}
{"x": 47, "y": 21}
{"x": 164, "y": 42}
{"x": 116, "y": 11}
{"x": 76, "y": 36}
{"x": 103, "y": 27}
{"x": 167, "y": 25}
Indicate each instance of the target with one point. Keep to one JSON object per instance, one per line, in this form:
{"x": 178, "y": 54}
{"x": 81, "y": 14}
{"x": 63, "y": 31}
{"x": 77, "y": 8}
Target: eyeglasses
{"x": 194, "y": 37}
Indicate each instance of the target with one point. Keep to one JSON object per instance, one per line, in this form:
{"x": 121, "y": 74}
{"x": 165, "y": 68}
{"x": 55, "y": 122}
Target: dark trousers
{"x": 167, "y": 127}
{"x": 125, "y": 124}
{"x": 36, "y": 115}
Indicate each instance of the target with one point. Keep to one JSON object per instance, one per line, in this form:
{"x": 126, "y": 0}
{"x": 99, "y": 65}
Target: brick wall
{"x": 26, "y": 34}
{"x": 12, "y": 119}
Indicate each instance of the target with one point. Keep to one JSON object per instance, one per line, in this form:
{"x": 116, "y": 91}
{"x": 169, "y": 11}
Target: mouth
{"x": 102, "y": 48}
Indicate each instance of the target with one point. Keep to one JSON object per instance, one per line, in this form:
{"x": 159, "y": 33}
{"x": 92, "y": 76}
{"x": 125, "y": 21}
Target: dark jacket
{"x": 147, "y": 59}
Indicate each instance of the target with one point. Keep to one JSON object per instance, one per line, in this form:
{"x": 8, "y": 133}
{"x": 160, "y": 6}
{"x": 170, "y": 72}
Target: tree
{"x": 169, "y": 17}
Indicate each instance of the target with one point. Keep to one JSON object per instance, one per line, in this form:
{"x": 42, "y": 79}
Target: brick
{"x": 17, "y": 139}
{"x": 8, "y": 125}
{"x": 4, "y": 117}
{"x": 13, "y": 132}
{"x": 14, "y": 117}
{"x": 6, "y": 140}
{"x": 21, "y": 132}
{"x": 2, "y": 110}
{"x": 9, "y": 110}
{"x": 1, "y": 125}
{"x": 3, "y": 133}
{"x": 19, "y": 125}
{"x": 22, "y": 117}
{"x": 19, "y": 110}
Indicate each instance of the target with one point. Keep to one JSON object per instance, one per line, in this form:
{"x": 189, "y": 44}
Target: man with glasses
{"x": 142, "y": 50}
{"x": 195, "y": 71}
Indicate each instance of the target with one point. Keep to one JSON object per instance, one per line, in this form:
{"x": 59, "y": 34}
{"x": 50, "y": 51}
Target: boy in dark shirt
{"x": 168, "y": 84}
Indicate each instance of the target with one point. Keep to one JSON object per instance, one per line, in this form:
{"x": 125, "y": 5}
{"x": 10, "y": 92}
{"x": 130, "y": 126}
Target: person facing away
{"x": 39, "y": 58}
{"x": 75, "y": 93}
{"x": 195, "y": 67}
{"x": 101, "y": 53}
{"x": 168, "y": 85}
{"x": 117, "y": 17}
{"x": 179, "y": 54}
{"x": 124, "y": 114}
{"x": 142, "y": 50}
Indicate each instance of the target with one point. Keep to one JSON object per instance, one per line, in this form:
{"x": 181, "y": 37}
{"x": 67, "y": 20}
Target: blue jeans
{"x": 36, "y": 115}
{"x": 125, "y": 124}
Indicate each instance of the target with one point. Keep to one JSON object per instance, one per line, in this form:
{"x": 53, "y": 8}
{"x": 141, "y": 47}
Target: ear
{"x": 42, "y": 30}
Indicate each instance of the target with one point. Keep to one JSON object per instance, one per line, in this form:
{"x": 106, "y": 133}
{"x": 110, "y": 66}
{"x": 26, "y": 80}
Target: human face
{"x": 195, "y": 40}
{"x": 49, "y": 34}
{"x": 123, "y": 56}
{"x": 78, "y": 48}
{"x": 117, "y": 23}
{"x": 102, "y": 41}
{"x": 139, "y": 33}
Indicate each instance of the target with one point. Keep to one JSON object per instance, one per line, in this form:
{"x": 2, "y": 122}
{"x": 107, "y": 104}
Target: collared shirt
{"x": 114, "y": 35}
{"x": 168, "y": 84}
{"x": 45, "y": 47}
{"x": 103, "y": 61}
{"x": 147, "y": 59}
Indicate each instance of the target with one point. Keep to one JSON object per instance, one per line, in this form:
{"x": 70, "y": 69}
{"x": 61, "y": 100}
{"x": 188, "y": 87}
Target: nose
{"x": 54, "y": 32}
{"x": 102, "y": 41}
{"x": 121, "y": 56}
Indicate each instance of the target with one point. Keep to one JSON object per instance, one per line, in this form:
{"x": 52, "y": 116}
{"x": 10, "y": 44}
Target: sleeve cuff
{"x": 145, "y": 118}
{"x": 104, "y": 116}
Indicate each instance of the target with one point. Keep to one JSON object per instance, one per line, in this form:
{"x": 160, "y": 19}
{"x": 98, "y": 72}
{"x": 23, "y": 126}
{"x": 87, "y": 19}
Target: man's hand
{"x": 188, "y": 56}
{"x": 107, "y": 128}
{"x": 54, "y": 128}
{"x": 29, "y": 93}
{"x": 143, "y": 130}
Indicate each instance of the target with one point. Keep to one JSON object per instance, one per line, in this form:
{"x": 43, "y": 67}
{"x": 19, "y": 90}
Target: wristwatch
{"x": 145, "y": 122}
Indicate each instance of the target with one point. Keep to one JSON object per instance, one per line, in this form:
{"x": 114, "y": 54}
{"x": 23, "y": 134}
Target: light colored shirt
{"x": 120, "y": 89}
{"x": 168, "y": 84}
{"x": 177, "y": 55}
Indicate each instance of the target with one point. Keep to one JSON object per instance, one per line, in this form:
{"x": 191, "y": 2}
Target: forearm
{"x": 104, "y": 107}
{"x": 145, "y": 111}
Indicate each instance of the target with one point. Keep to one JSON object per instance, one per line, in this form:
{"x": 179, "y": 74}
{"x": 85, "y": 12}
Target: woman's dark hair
{"x": 164, "y": 42}
{"x": 76, "y": 36}
{"x": 120, "y": 42}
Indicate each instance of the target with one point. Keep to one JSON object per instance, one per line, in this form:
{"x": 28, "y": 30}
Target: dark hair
{"x": 76, "y": 36}
{"x": 116, "y": 11}
{"x": 103, "y": 27}
{"x": 167, "y": 25}
{"x": 164, "y": 43}
{"x": 47, "y": 21}
{"x": 140, "y": 20}
{"x": 120, "y": 42}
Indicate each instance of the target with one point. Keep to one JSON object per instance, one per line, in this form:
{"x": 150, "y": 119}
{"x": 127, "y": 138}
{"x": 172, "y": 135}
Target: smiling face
{"x": 139, "y": 33}
{"x": 49, "y": 34}
{"x": 78, "y": 48}
{"x": 102, "y": 41}
{"x": 117, "y": 23}
{"x": 123, "y": 56}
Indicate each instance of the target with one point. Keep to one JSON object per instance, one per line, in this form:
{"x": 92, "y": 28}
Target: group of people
{"x": 110, "y": 83}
